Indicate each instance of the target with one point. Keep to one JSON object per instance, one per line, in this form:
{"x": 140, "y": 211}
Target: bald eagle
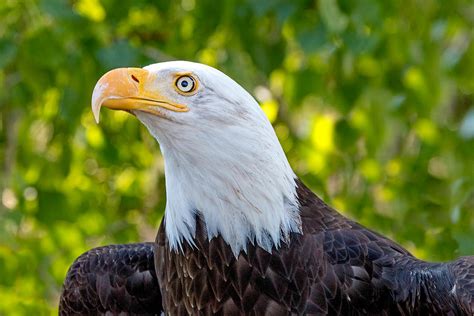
{"x": 241, "y": 233}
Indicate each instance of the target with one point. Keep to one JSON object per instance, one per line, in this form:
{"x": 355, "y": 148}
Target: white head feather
{"x": 223, "y": 162}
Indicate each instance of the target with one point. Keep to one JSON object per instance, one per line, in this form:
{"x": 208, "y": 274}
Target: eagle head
{"x": 223, "y": 161}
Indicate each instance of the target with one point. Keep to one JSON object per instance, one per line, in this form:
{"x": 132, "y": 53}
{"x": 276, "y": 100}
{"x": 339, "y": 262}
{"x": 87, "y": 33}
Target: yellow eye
{"x": 185, "y": 84}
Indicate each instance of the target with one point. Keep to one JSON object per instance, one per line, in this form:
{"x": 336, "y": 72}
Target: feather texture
{"x": 335, "y": 267}
{"x": 112, "y": 280}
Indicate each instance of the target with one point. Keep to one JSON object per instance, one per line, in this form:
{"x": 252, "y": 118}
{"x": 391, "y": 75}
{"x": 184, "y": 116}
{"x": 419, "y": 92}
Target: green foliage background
{"x": 372, "y": 101}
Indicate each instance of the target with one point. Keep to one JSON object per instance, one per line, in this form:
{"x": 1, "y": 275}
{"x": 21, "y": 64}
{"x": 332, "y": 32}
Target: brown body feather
{"x": 112, "y": 280}
{"x": 336, "y": 267}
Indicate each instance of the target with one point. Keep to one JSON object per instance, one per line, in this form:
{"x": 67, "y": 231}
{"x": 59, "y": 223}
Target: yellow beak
{"x": 129, "y": 89}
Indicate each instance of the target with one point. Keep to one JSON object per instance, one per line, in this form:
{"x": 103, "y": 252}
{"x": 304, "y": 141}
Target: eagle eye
{"x": 185, "y": 84}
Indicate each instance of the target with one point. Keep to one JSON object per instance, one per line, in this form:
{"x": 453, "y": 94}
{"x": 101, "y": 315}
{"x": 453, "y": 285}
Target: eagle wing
{"x": 113, "y": 279}
{"x": 364, "y": 272}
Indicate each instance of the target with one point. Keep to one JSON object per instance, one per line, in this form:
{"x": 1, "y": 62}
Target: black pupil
{"x": 184, "y": 83}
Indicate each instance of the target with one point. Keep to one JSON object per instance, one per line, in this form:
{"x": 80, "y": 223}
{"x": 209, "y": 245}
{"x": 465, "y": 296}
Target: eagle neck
{"x": 245, "y": 196}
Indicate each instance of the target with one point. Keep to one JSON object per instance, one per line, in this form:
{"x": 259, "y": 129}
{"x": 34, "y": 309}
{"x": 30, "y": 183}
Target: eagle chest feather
{"x": 298, "y": 278}
{"x": 211, "y": 280}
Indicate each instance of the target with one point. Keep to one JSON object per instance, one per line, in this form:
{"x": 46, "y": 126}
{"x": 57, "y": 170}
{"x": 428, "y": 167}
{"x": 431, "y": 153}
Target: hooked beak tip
{"x": 97, "y": 100}
{"x": 96, "y": 115}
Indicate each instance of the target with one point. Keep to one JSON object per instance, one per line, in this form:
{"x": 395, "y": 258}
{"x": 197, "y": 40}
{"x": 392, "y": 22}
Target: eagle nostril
{"x": 135, "y": 79}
